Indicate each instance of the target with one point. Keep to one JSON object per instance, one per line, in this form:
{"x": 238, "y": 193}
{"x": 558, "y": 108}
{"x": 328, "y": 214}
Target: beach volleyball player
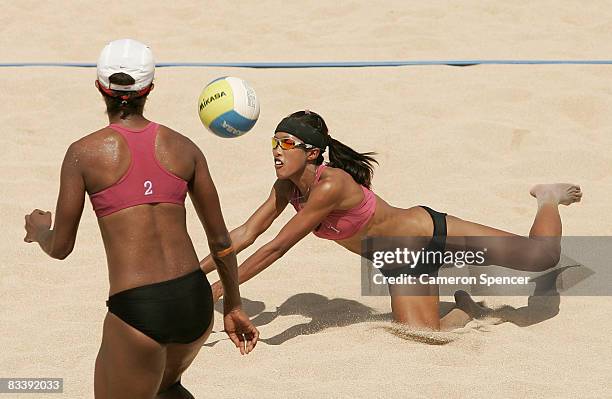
{"x": 335, "y": 202}
{"x": 137, "y": 174}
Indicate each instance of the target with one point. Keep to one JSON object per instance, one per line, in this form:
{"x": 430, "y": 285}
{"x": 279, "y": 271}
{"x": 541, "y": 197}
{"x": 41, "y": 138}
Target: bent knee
{"x": 545, "y": 258}
{"x": 419, "y": 323}
{"x": 417, "y": 314}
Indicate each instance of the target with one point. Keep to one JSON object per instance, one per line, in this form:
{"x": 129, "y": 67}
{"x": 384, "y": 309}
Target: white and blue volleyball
{"x": 228, "y": 107}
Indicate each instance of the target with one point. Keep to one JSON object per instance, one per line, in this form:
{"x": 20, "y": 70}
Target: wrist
{"x": 231, "y": 307}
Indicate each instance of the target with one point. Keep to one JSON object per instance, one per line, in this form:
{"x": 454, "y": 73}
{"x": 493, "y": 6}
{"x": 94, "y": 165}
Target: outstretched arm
{"x": 59, "y": 241}
{"x": 205, "y": 200}
{"x": 206, "y": 203}
{"x": 322, "y": 201}
{"x": 245, "y": 235}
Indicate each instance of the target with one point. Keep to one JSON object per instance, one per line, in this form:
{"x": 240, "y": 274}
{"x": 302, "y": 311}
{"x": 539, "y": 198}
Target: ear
{"x": 313, "y": 154}
{"x": 97, "y": 84}
{"x": 152, "y": 86}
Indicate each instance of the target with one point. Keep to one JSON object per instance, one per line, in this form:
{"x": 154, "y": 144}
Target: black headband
{"x": 303, "y": 131}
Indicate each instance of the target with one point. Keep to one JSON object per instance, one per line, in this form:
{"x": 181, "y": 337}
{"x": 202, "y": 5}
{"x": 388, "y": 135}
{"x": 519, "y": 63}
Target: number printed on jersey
{"x": 148, "y": 187}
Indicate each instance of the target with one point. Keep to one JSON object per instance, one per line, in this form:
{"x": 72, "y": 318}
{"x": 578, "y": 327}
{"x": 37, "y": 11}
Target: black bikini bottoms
{"x": 437, "y": 244}
{"x": 173, "y": 311}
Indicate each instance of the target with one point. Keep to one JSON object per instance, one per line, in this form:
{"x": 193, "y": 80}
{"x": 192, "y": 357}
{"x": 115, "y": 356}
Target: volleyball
{"x": 228, "y": 107}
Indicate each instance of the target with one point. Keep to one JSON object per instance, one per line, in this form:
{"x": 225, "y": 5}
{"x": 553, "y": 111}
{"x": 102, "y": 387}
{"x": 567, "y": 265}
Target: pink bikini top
{"x": 341, "y": 224}
{"x": 145, "y": 182}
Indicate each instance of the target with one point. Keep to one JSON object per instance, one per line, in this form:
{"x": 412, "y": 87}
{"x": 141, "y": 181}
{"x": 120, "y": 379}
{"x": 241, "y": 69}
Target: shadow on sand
{"x": 542, "y": 305}
{"x": 322, "y": 312}
{"x": 339, "y": 312}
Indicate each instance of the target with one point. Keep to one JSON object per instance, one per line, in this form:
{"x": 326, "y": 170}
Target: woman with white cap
{"x": 137, "y": 174}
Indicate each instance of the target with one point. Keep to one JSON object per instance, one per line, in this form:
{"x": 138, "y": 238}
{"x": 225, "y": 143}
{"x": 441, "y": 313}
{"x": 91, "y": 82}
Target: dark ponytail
{"x": 359, "y": 165}
{"x": 125, "y": 103}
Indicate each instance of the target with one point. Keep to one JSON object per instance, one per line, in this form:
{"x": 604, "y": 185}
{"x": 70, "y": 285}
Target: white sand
{"x": 467, "y": 141}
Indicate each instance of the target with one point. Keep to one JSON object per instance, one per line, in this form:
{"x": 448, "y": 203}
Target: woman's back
{"x": 137, "y": 174}
{"x": 145, "y": 243}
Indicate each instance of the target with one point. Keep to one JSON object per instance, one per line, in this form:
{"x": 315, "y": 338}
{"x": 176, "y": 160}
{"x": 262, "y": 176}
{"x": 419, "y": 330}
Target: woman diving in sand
{"x": 334, "y": 201}
{"x": 137, "y": 174}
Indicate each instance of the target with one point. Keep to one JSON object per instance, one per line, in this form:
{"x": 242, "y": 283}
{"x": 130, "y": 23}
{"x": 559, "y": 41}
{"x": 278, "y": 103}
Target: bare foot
{"x": 558, "y": 193}
{"x": 465, "y": 302}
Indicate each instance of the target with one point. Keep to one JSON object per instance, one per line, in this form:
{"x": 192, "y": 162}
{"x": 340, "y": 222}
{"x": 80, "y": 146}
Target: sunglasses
{"x": 288, "y": 143}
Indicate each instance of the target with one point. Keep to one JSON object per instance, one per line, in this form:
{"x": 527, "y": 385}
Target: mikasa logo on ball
{"x": 212, "y": 98}
{"x": 228, "y": 107}
{"x": 231, "y": 129}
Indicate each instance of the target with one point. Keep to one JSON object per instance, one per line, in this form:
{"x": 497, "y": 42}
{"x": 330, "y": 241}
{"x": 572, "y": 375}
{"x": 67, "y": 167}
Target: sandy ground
{"x": 467, "y": 141}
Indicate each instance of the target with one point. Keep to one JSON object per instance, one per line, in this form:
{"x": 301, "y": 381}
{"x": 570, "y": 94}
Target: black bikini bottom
{"x": 173, "y": 311}
{"x": 437, "y": 244}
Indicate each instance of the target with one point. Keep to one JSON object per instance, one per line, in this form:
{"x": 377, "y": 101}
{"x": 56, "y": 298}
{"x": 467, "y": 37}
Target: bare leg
{"x": 129, "y": 365}
{"x": 423, "y": 311}
{"x": 547, "y": 221}
{"x": 100, "y": 378}
{"x": 546, "y": 225}
{"x": 540, "y": 251}
{"x": 178, "y": 358}
{"x": 132, "y": 365}
{"x": 417, "y": 308}
{"x": 536, "y": 253}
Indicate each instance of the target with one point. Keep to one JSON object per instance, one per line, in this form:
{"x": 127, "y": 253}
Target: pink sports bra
{"x": 341, "y": 224}
{"x": 145, "y": 182}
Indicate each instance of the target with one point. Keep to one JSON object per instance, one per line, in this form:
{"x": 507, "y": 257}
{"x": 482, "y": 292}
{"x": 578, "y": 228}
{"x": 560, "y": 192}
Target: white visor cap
{"x": 130, "y": 57}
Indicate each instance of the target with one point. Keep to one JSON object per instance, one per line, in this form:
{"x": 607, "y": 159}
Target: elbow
{"x": 247, "y": 235}
{"x": 219, "y": 243}
{"x": 60, "y": 255}
{"x": 249, "y": 240}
